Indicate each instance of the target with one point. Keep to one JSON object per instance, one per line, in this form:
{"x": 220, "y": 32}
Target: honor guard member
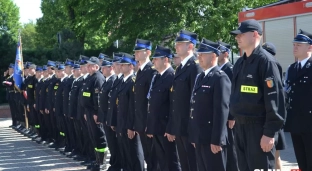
{"x": 30, "y": 99}
{"x": 111, "y": 117}
{"x": 90, "y": 102}
{"x": 72, "y": 111}
{"x": 299, "y": 92}
{"x": 40, "y": 120}
{"x": 88, "y": 155}
{"x": 41, "y": 105}
{"x": 70, "y": 138}
{"x": 281, "y": 141}
{"x": 144, "y": 76}
{"x": 9, "y": 84}
{"x": 115, "y": 160}
{"x": 256, "y": 92}
{"x": 58, "y": 106}
{"x": 110, "y": 77}
{"x": 159, "y": 108}
{"x": 209, "y": 110}
{"x": 225, "y": 65}
{"x": 181, "y": 90}
{"x": 50, "y": 103}
{"x": 129, "y": 141}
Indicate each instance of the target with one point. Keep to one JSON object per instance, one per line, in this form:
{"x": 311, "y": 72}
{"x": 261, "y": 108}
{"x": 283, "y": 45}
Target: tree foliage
{"x": 98, "y": 24}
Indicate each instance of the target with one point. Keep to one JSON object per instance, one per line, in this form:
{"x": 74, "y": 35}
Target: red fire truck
{"x": 281, "y": 21}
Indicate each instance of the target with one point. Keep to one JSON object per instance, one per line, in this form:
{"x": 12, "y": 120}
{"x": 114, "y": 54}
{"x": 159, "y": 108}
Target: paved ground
{"x": 18, "y": 152}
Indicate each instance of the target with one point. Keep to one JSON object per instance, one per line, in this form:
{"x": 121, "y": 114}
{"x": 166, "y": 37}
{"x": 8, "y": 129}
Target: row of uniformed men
{"x": 174, "y": 120}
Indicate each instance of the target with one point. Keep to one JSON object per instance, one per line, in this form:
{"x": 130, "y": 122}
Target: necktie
{"x": 299, "y": 67}
{"x": 179, "y": 68}
{"x": 151, "y": 86}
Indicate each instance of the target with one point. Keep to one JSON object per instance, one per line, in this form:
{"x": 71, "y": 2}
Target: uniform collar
{"x": 107, "y": 78}
{"x": 125, "y": 78}
{"x": 304, "y": 61}
{"x": 165, "y": 70}
{"x": 223, "y": 65}
{"x": 143, "y": 65}
{"x": 209, "y": 69}
{"x": 119, "y": 75}
{"x": 184, "y": 61}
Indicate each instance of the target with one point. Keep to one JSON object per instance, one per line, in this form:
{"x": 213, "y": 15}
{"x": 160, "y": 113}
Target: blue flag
{"x": 18, "y": 68}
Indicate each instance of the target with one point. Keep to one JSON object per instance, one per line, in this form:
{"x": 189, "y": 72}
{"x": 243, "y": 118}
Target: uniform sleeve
{"x": 221, "y": 102}
{"x": 273, "y": 98}
{"x": 131, "y": 111}
{"x": 96, "y": 89}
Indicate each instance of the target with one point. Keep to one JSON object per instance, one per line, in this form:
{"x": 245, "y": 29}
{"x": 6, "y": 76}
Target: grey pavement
{"x": 18, "y": 152}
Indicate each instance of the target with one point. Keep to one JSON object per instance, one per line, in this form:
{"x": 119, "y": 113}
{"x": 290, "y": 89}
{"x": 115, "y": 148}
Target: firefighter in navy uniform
{"x": 110, "y": 77}
{"x": 225, "y": 65}
{"x": 73, "y": 111}
{"x": 144, "y": 76}
{"x": 41, "y": 105}
{"x": 299, "y": 92}
{"x": 33, "y": 119}
{"x": 181, "y": 90}
{"x": 58, "y": 107}
{"x": 281, "y": 141}
{"x": 257, "y": 100}
{"x": 9, "y": 84}
{"x": 40, "y": 120}
{"x": 159, "y": 108}
{"x": 49, "y": 103}
{"x": 111, "y": 118}
{"x": 89, "y": 100}
{"x": 207, "y": 128}
{"x": 129, "y": 141}
{"x": 70, "y": 138}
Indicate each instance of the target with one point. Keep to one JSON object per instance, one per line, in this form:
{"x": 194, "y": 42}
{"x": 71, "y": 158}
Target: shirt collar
{"x": 143, "y": 65}
{"x": 63, "y": 78}
{"x": 125, "y": 78}
{"x": 40, "y": 79}
{"x": 165, "y": 70}
{"x": 119, "y": 75}
{"x": 78, "y": 78}
{"x": 208, "y": 70}
{"x": 184, "y": 61}
{"x": 86, "y": 75}
{"x": 304, "y": 61}
{"x": 222, "y": 65}
{"x": 106, "y": 79}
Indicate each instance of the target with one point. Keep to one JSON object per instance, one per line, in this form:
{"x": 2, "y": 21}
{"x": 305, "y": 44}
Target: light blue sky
{"x": 29, "y": 10}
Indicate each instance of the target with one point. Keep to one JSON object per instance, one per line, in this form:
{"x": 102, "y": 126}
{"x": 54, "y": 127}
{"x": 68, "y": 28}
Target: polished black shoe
{"x": 78, "y": 158}
{"x": 86, "y": 163}
{"x": 60, "y": 148}
{"x": 96, "y": 167}
{"x": 53, "y": 145}
{"x": 10, "y": 126}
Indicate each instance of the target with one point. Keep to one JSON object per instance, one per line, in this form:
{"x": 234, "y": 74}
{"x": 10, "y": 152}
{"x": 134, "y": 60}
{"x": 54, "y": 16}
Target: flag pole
{"x": 21, "y": 52}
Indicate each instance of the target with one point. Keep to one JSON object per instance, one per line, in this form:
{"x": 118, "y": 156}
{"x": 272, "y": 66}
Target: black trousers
{"x": 131, "y": 152}
{"x": 13, "y": 111}
{"x": 186, "y": 153}
{"x": 166, "y": 153}
{"x": 53, "y": 125}
{"x": 249, "y": 153}
{"x": 60, "y": 123}
{"x": 207, "y": 161}
{"x": 149, "y": 155}
{"x": 49, "y": 129}
{"x": 44, "y": 130}
{"x": 231, "y": 164}
{"x": 303, "y": 150}
{"x": 32, "y": 116}
{"x": 97, "y": 137}
{"x": 78, "y": 136}
{"x": 88, "y": 149}
{"x": 112, "y": 142}
{"x": 69, "y": 133}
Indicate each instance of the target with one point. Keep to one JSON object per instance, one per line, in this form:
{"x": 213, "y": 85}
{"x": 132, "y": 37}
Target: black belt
{"x": 249, "y": 120}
